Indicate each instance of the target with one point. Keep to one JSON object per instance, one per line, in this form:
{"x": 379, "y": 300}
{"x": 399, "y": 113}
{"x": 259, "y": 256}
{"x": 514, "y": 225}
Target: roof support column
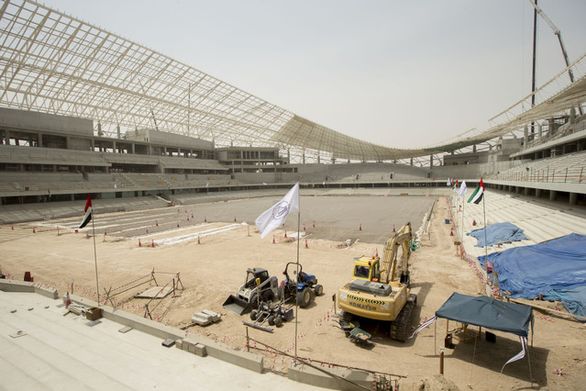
{"x": 430, "y": 161}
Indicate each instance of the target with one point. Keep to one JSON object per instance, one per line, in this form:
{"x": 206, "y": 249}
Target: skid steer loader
{"x": 258, "y": 287}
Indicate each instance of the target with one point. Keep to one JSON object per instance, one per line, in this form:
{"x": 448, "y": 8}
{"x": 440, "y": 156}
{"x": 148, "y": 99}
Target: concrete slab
{"x": 156, "y": 292}
{"x": 62, "y": 352}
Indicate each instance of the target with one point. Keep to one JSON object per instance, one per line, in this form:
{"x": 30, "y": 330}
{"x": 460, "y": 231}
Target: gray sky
{"x": 396, "y": 73}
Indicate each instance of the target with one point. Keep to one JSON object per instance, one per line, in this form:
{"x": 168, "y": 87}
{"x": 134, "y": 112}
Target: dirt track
{"x": 215, "y": 268}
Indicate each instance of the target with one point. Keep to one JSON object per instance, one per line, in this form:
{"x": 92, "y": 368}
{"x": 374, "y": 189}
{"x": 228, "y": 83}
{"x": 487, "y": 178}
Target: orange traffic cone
{"x": 274, "y": 239}
{"x": 34, "y": 230}
{"x": 360, "y": 227}
{"x": 152, "y": 243}
{"x": 139, "y": 243}
{"x": 474, "y": 223}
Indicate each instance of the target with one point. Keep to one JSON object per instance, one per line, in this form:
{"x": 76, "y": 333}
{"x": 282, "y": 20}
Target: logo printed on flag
{"x": 272, "y": 218}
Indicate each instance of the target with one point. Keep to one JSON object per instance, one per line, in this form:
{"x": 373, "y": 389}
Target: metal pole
{"x": 462, "y": 235}
{"x": 485, "y": 243}
{"x": 95, "y": 257}
{"x": 297, "y": 265}
{"x": 534, "y": 59}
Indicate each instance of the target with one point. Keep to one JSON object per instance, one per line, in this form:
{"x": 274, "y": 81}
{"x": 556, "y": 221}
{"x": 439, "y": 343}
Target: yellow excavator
{"x": 381, "y": 291}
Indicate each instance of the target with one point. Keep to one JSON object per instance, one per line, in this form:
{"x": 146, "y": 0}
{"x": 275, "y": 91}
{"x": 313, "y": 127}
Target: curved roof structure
{"x": 55, "y": 63}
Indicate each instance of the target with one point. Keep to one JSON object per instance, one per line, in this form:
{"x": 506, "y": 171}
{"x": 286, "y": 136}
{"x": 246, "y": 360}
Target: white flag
{"x": 519, "y": 355}
{"x": 276, "y": 215}
{"x": 463, "y": 188}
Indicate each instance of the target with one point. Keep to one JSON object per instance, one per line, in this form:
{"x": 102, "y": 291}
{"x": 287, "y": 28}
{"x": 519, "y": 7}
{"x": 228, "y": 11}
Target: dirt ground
{"x": 215, "y": 268}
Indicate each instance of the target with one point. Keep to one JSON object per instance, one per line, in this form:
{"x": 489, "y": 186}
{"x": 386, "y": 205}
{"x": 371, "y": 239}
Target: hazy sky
{"x": 398, "y": 73}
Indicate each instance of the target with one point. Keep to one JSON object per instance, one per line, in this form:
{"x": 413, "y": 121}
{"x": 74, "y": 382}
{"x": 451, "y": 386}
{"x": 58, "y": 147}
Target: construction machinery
{"x": 303, "y": 289}
{"x": 271, "y": 313}
{"x": 258, "y": 287}
{"x": 381, "y": 290}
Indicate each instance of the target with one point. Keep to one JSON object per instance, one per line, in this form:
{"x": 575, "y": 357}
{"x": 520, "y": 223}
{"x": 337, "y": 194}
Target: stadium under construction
{"x": 178, "y": 165}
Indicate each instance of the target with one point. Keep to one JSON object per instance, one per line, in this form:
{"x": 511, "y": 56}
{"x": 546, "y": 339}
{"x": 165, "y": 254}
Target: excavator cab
{"x": 367, "y": 269}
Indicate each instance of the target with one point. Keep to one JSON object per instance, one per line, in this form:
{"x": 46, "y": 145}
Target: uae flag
{"x": 476, "y": 197}
{"x": 88, "y": 212}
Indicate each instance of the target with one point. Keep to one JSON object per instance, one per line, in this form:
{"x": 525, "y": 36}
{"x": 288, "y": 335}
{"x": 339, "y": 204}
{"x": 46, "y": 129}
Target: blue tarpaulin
{"x": 498, "y": 233}
{"x": 555, "y": 269}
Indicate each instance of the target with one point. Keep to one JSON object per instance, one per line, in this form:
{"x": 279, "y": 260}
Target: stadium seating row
{"x": 570, "y": 168}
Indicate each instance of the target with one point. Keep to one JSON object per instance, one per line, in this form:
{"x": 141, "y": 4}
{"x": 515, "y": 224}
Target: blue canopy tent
{"x": 487, "y": 312}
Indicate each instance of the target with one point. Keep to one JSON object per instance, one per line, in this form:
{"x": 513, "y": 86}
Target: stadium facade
{"x": 85, "y": 110}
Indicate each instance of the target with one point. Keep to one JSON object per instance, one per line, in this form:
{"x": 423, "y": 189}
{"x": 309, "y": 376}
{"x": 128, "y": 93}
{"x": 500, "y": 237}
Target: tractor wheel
{"x": 278, "y": 321}
{"x": 253, "y": 315}
{"x": 304, "y": 298}
{"x": 271, "y": 320}
{"x": 319, "y": 290}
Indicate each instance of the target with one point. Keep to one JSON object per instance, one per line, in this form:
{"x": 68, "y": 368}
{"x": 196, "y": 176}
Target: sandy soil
{"x": 215, "y": 268}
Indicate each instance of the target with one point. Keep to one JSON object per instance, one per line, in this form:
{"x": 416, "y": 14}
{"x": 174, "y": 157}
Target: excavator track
{"x": 401, "y": 327}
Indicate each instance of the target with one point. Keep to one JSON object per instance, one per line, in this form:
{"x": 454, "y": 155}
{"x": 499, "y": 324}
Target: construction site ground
{"x": 213, "y": 269}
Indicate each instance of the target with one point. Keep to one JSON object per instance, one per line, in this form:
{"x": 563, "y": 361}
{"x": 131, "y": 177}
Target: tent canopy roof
{"x": 487, "y": 312}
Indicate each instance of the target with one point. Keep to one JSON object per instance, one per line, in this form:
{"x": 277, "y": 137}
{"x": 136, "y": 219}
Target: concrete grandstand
{"x": 113, "y": 133}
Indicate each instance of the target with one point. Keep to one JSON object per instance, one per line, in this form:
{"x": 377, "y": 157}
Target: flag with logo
{"x": 87, "y": 212}
{"x": 276, "y": 215}
{"x": 477, "y": 195}
{"x": 462, "y": 190}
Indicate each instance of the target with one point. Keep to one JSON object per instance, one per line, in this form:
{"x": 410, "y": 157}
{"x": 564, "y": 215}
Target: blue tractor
{"x": 303, "y": 289}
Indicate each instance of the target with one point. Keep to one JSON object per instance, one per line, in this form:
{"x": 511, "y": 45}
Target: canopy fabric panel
{"x": 487, "y": 312}
{"x": 54, "y": 63}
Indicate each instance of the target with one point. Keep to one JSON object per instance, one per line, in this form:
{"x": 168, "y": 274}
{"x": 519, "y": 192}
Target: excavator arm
{"x": 401, "y": 238}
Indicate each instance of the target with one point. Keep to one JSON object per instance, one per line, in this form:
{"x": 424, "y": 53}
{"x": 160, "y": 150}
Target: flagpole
{"x": 485, "y": 242}
{"x": 95, "y": 257}
{"x": 297, "y": 279}
{"x": 462, "y": 234}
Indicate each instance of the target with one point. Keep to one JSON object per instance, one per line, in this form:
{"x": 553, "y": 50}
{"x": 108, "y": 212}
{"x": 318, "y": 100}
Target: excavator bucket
{"x": 238, "y": 305}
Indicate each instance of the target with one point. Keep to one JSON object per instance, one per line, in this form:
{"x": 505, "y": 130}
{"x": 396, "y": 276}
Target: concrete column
{"x": 572, "y": 115}
{"x": 303, "y": 157}
{"x": 40, "y": 140}
{"x": 550, "y": 126}
{"x": 318, "y": 158}
{"x": 573, "y": 198}
{"x": 114, "y": 147}
{"x": 132, "y": 148}
{"x": 411, "y": 162}
{"x": 552, "y": 195}
{"x": 288, "y": 156}
{"x": 118, "y": 131}
{"x": 430, "y": 161}
{"x": 474, "y": 148}
{"x": 526, "y": 191}
{"x": 537, "y": 193}
{"x": 540, "y": 130}
{"x": 525, "y": 136}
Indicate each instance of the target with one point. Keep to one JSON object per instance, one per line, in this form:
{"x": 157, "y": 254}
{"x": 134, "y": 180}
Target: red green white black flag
{"x": 88, "y": 212}
{"x": 478, "y": 193}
